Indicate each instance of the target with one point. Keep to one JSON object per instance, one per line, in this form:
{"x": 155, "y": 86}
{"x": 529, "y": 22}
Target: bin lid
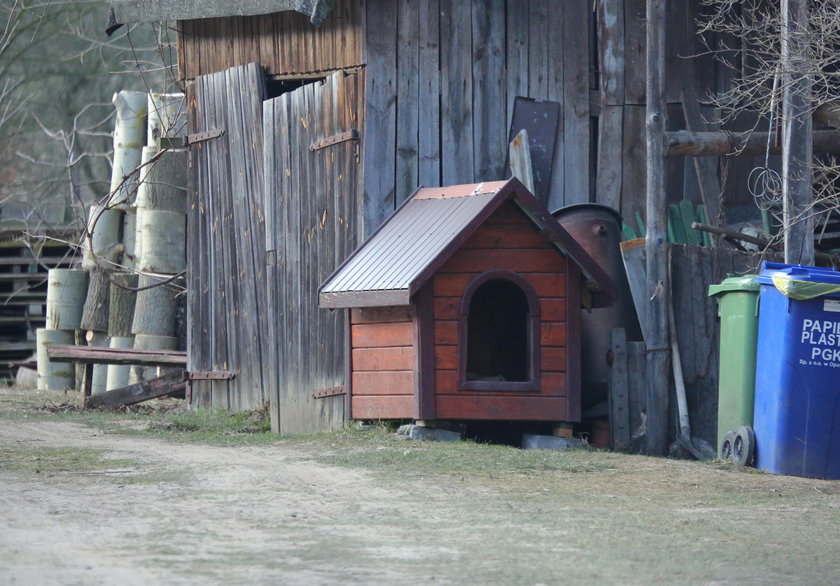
{"x": 799, "y": 282}
{"x": 734, "y": 283}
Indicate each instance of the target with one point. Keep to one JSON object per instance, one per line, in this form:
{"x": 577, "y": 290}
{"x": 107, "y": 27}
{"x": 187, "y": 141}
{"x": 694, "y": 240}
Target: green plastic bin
{"x": 737, "y": 298}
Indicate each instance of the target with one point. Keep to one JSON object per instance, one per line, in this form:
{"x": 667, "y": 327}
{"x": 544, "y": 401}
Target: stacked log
{"x": 154, "y": 320}
{"x": 167, "y": 122}
{"x": 95, "y": 321}
{"x": 66, "y": 293}
{"x": 129, "y": 138}
{"x": 122, "y": 299}
{"x": 160, "y": 240}
{"x": 53, "y": 376}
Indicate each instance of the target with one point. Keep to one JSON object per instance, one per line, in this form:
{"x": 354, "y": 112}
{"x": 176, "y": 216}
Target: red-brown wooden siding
{"x": 506, "y": 241}
{"x": 383, "y": 358}
{"x": 285, "y": 43}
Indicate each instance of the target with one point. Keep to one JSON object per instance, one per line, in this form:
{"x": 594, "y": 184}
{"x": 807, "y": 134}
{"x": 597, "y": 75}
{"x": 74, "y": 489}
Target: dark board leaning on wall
{"x": 226, "y": 239}
{"x": 313, "y": 210}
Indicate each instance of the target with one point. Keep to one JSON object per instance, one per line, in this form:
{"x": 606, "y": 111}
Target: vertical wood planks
{"x": 610, "y": 18}
{"x": 634, "y": 52}
{"x": 442, "y": 77}
{"x": 516, "y": 53}
{"x": 317, "y": 194}
{"x": 456, "y": 92}
{"x": 227, "y": 272}
{"x": 284, "y": 43}
{"x": 619, "y": 398}
{"x": 381, "y": 115}
{"x": 557, "y": 47}
{"x": 429, "y": 94}
{"x": 488, "y": 62}
{"x": 576, "y": 132}
{"x": 408, "y": 105}
{"x": 538, "y": 43}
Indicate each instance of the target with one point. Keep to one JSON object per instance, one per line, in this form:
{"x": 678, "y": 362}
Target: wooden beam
{"x": 686, "y": 143}
{"x": 137, "y": 393}
{"x": 618, "y": 397}
{"x": 656, "y": 242}
{"x": 95, "y": 355}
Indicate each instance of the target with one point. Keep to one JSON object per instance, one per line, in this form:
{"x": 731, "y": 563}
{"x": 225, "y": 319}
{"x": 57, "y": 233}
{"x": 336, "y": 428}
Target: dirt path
{"x": 244, "y": 514}
{"x": 161, "y": 512}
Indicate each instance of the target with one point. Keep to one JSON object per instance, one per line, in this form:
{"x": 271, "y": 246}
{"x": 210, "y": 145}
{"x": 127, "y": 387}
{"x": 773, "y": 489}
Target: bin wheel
{"x": 743, "y": 446}
{"x": 726, "y": 446}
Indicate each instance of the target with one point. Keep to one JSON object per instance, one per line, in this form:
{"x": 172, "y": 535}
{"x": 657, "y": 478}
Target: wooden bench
{"x": 158, "y": 387}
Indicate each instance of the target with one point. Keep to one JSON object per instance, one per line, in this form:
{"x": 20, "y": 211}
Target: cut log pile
{"x": 127, "y": 293}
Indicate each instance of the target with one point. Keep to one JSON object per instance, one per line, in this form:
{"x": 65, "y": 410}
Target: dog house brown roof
{"x": 395, "y": 262}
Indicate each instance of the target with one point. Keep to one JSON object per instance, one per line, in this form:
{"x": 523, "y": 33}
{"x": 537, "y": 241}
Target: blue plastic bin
{"x": 797, "y": 384}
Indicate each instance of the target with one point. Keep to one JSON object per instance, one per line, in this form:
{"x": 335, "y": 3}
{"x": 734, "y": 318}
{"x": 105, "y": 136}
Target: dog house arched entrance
{"x": 498, "y": 334}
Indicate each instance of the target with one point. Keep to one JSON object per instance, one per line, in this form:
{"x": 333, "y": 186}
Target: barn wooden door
{"x": 226, "y": 240}
{"x": 313, "y": 220}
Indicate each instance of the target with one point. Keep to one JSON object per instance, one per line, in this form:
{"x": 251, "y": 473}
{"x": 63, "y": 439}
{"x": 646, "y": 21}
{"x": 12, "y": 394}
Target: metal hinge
{"x": 334, "y": 139}
{"x": 205, "y": 135}
{"x": 211, "y": 375}
{"x": 330, "y": 392}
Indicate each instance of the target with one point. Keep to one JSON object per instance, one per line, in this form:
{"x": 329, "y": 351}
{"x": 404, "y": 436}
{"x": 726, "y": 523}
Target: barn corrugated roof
{"x": 128, "y": 11}
{"x": 424, "y": 232}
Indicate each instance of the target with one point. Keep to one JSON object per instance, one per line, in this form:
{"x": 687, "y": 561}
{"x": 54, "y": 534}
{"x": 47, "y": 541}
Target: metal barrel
{"x": 597, "y": 228}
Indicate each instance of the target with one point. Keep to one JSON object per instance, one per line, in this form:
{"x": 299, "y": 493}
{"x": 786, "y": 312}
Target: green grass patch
{"x": 167, "y": 419}
{"x": 381, "y": 450}
{"x": 37, "y": 460}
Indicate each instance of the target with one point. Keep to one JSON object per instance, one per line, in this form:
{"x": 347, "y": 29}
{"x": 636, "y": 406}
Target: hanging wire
{"x": 764, "y": 183}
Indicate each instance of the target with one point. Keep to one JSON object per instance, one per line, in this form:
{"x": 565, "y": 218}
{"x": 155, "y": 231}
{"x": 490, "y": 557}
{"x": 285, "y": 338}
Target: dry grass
{"x": 380, "y": 508}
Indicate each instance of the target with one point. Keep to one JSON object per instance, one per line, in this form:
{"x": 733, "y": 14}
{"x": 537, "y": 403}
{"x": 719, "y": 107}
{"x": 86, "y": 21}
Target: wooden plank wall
{"x": 441, "y": 79}
{"x": 693, "y": 269}
{"x": 313, "y": 211}
{"x": 226, "y": 240}
{"x": 692, "y": 75}
{"x": 383, "y": 358}
{"x": 284, "y": 43}
{"x": 506, "y": 241}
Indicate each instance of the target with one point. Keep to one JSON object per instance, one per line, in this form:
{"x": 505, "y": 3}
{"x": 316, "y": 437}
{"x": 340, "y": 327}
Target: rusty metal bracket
{"x": 330, "y": 392}
{"x": 211, "y": 375}
{"x": 334, "y": 139}
{"x": 205, "y": 135}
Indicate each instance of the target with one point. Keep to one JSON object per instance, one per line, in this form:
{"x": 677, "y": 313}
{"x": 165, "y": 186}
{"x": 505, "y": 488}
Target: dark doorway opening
{"x": 498, "y": 338}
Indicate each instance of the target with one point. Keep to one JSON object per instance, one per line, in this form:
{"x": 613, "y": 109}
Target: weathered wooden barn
{"x": 305, "y": 139}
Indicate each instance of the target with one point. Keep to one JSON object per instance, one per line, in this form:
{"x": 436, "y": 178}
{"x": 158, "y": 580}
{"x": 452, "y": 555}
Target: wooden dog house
{"x": 465, "y": 305}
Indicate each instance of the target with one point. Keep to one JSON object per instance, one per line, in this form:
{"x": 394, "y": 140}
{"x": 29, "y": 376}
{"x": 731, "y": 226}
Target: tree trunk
{"x": 100, "y": 371}
{"x": 129, "y": 138}
{"x": 121, "y": 304}
{"x": 118, "y": 374}
{"x": 104, "y": 239}
{"x": 95, "y": 313}
{"x": 66, "y": 294}
{"x": 53, "y": 376}
{"x": 147, "y": 342}
{"x": 154, "y": 312}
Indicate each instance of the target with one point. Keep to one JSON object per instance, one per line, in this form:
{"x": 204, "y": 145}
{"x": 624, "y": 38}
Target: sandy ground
{"x": 227, "y": 515}
{"x": 176, "y": 513}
